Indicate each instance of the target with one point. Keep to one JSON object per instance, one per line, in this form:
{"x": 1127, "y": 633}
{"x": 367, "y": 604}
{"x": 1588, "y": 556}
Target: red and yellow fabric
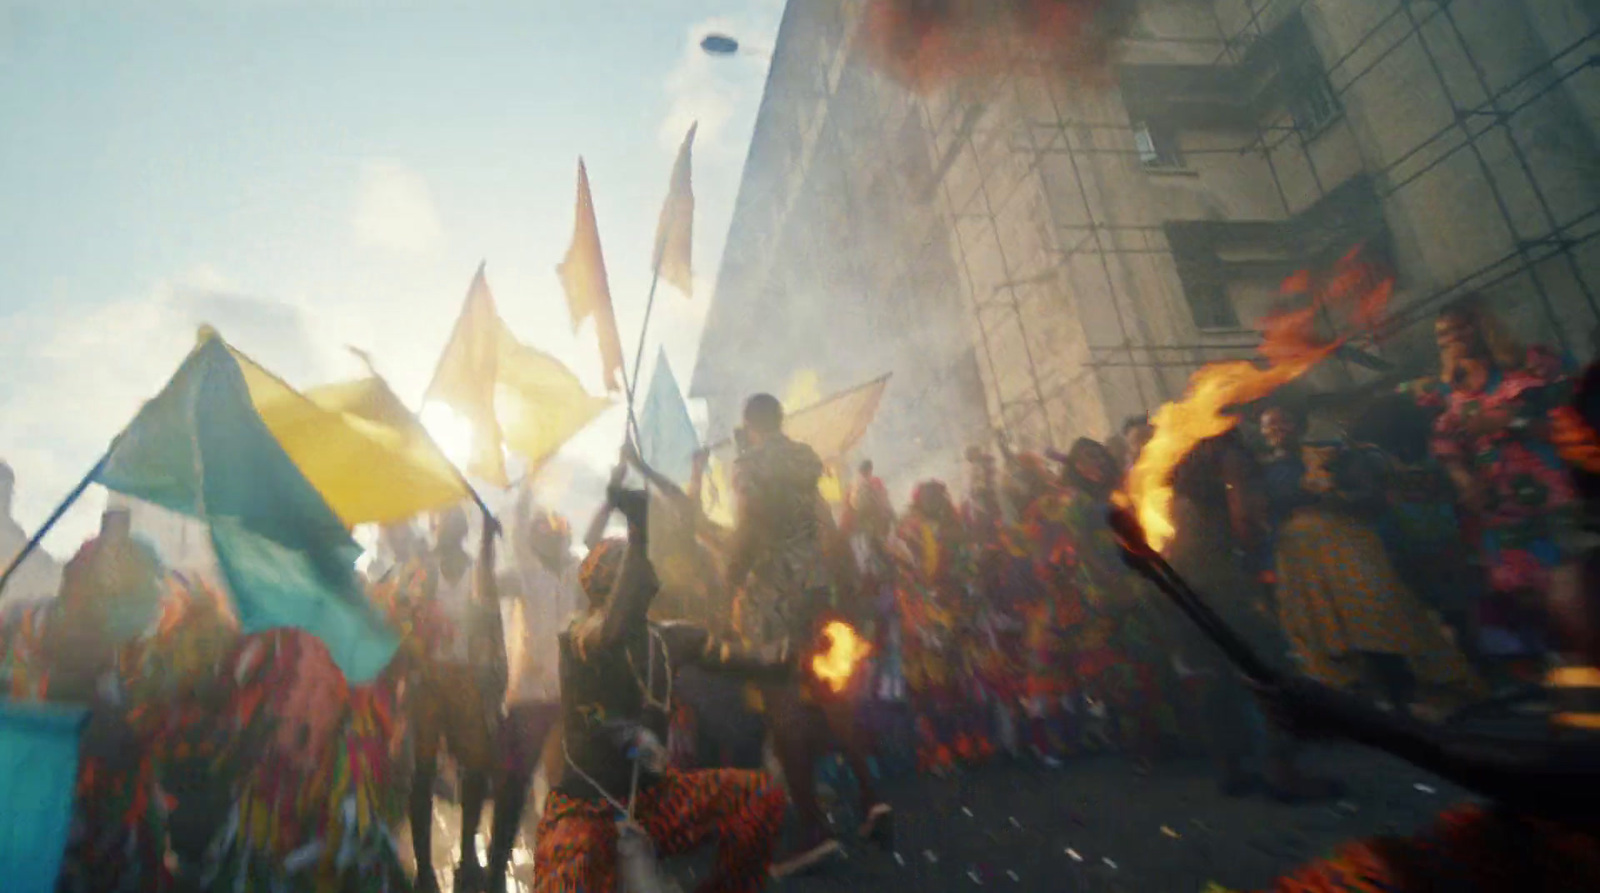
{"x": 1470, "y": 849}
{"x": 314, "y": 744}
{"x": 741, "y": 810}
{"x": 1338, "y": 596}
{"x": 940, "y": 657}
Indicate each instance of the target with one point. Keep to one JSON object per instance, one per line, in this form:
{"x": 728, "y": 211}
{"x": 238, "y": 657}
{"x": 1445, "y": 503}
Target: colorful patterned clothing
{"x": 1470, "y": 849}
{"x": 314, "y": 761}
{"x": 740, "y": 810}
{"x": 1339, "y": 597}
{"x": 780, "y": 541}
{"x": 938, "y": 645}
{"x": 1113, "y": 648}
{"x": 1530, "y": 502}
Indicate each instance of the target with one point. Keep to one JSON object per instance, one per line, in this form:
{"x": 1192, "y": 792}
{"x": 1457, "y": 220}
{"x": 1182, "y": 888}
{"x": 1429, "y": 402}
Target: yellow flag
{"x": 675, "y": 229}
{"x": 541, "y": 403}
{"x": 583, "y": 277}
{"x": 834, "y": 426}
{"x": 465, "y": 379}
{"x": 375, "y": 466}
{"x": 512, "y": 395}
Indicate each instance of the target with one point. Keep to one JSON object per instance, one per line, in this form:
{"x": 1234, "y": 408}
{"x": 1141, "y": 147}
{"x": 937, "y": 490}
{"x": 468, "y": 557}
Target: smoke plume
{"x": 929, "y": 44}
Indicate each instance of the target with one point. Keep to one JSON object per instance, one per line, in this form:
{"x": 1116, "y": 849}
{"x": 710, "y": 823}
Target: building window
{"x": 1312, "y": 103}
{"x": 1157, "y": 145}
{"x": 1310, "y": 98}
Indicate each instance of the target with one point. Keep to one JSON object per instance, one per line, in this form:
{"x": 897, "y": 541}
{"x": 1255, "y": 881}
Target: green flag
{"x": 199, "y": 448}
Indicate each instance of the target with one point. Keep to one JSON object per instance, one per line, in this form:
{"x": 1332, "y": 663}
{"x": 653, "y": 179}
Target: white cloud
{"x": 75, "y": 379}
{"x": 394, "y": 209}
{"x": 713, "y": 89}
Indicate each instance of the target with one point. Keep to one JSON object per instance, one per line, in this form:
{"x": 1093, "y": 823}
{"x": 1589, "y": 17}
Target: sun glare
{"x": 451, "y": 432}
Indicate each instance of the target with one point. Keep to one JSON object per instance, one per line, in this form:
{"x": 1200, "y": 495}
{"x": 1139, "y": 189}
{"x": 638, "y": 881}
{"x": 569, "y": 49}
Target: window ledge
{"x": 1309, "y": 135}
{"x": 1165, "y": 171}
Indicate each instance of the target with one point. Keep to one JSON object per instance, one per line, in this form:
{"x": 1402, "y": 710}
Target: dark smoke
{"x": 929, "y": 44}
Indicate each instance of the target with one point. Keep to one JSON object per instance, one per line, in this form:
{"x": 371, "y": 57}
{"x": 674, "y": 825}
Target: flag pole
{"x": 50, "y": 522}
{"x": 631, "y": 383}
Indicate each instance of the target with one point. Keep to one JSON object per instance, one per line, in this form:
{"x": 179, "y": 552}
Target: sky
{"x": 309, "y": 174}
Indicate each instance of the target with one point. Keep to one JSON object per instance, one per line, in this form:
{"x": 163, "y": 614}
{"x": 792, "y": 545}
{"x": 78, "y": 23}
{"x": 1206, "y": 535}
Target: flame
{"x": 1290, "y": 348}
{"x": 846, "y": 650}
{"x": 925, "y": 44}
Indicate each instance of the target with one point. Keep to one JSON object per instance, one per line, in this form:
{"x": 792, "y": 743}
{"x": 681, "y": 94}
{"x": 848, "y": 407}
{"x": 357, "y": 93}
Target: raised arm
{"x": 602, "y": 516}
{"x": 689, "y": 644}
{"x": 741, "y": 543}
{"x": 628, "y": 606}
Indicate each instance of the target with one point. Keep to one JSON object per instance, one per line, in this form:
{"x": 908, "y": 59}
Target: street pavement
{"x": 1097, "y": 825}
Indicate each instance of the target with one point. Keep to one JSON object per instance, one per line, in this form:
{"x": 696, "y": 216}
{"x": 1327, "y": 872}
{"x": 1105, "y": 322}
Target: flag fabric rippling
{"x": 675, "y": 229}
{"x": 583, "y": 277}
{"x": 38, "y": 773}
{"x": 199, "y": 448}
{"x": 512, "y": 395}
{"x": 357, "y": 444}
{"x": 667, "y": 439}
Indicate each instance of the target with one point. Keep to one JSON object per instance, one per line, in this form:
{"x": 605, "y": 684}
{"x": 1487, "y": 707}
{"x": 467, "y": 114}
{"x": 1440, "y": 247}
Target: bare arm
{"x": 689, "y": 644}
{"x": 602, "y": 516}
{"x": 741, "y": 544}
{"x": 628, "y": 606}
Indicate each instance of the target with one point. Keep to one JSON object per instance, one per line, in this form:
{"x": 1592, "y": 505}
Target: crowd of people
{"x": 1429, "y": 553}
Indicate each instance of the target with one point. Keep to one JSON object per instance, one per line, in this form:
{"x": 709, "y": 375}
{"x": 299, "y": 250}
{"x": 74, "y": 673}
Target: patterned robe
{"x": 781, "y": 539}
{"x": 1531, "y": 503}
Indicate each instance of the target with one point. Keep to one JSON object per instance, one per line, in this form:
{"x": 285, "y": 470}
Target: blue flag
{"x": 199, "y": 448}
{"x": 38, "y": 773}
{"x": 667, "y": 439}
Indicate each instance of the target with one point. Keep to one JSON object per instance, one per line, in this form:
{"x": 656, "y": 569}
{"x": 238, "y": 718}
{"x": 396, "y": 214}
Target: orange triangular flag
{"x": 583, "y": 276}
{"x": 675, "y": 229}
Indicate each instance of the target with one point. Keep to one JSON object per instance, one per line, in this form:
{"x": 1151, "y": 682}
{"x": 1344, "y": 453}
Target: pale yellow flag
{"x": 834, "y": 426}
{"x": 511, "y": 395}
{"x": 371, "y": 466}
{"x": 465, "y": 380}
{"x": 541, "y": 404}
{"x": 583, "y": 277}
{"x": 675, "y": 229}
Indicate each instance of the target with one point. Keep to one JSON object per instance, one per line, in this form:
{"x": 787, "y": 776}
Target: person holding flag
{"x": 618, "y": 803}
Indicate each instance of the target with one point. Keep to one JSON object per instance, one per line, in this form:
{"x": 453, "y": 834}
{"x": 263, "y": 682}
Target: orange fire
{"x": 1289, "y": 347}
{"x": 846, "y": 650}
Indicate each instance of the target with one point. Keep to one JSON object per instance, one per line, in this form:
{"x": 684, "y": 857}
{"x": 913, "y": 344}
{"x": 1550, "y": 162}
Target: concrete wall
{"x": 836, "y": 262}
{"x": 1034, "y": 265}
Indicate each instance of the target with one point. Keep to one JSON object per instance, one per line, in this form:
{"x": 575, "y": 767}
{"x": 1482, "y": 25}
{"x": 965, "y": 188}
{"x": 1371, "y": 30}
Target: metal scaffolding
{"x": 1429, "y": 27}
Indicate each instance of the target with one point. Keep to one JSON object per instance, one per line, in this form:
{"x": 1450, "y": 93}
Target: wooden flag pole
{"x": 50, "y": 522}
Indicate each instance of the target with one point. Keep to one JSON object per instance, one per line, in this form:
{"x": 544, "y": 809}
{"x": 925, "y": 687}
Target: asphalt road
{"x": 1096, "y": 825}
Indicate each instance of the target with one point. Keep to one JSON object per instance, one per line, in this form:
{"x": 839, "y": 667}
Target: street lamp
{"x": 719, "y": 45}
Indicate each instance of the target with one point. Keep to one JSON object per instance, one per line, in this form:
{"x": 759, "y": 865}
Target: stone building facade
{"x": 1045, "y": 256}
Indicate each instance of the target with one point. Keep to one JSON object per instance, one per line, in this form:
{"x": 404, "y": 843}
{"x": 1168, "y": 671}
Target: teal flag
{"x": 199, "y": 448}
{"x": 38, "y": 772}
{"x": 667, "y": 439}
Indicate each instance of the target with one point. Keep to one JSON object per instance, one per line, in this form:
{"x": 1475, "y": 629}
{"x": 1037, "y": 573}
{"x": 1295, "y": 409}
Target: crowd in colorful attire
{"x": 1399, "y": 563}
